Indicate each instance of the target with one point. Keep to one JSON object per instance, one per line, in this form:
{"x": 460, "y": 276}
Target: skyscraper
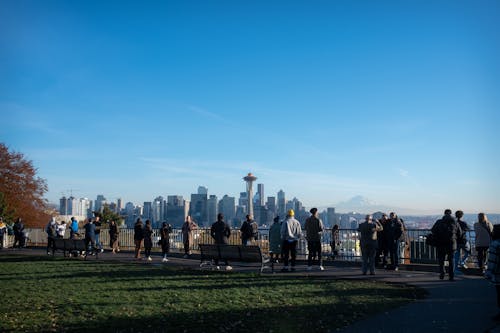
{"x": 260, "y": 192}
{"x": 202, "y": 190}
{"x": 227, "y": 207}
{"x": 176, "y": 210}
{"x": 281, "y": 203}
{"x": 198, "y": 209}
{"x": 249, "y": 179}
{"x": 212, "y": 209}
{"x": 99, "y": 203}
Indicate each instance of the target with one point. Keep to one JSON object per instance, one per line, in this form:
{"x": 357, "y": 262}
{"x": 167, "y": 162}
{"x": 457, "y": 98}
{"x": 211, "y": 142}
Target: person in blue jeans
{"x": 462, "y": 244}
{"x": 98, "y": 225}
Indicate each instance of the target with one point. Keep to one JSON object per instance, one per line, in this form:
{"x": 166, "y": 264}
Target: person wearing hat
{"x": 3, "y": 231}
{"x": 314, "y": 229}
{"x": 290, "y": 235}
{"x": 275, "y": 240}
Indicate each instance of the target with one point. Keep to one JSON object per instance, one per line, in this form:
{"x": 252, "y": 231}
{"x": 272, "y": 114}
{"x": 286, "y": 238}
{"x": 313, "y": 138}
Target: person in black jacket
{"x": 462, "y": 243}
{"x": 447, "y": 231}
{"x": 19, "y": 236}
{"x": 138, "y": 237}
{"x": 148, "y": 239}
{"x": 165, "y": 231}
{"x": 395, "y": 233}
{"x": 220, "y": 232}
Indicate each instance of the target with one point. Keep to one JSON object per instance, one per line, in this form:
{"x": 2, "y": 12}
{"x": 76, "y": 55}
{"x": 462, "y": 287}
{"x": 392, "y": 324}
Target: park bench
{"x": 71, "y": 245}
{"x": 232, "y": 253}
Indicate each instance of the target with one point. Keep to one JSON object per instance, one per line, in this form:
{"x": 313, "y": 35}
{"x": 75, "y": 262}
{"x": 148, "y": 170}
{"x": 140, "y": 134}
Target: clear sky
{"x": 397, "y": 101}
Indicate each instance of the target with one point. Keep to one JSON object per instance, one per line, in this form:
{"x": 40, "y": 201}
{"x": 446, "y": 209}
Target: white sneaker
{"x": 228, "y": 268}
{"x": 309, "y": 268}
{"x": 149, "y": 258}
{"x": 217, "y": 268}
{"x": 164, "y": 260}
{"x": 321, "y": 268}
{"x": 185, "y": 256}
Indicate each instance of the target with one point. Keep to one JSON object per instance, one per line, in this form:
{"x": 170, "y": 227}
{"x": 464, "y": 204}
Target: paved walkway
{"x": 466, "y": 305}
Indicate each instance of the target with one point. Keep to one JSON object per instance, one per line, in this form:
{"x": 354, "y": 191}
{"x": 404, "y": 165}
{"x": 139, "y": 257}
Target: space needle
{"x": 249, "y": 179}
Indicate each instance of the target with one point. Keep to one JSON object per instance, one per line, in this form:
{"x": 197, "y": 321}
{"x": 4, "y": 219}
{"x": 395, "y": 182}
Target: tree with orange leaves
{"x": 21, "y": 191}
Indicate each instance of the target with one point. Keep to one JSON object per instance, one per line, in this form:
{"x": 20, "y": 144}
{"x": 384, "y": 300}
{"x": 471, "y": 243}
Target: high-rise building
{"x": 331, "y": 216}
{"x": 99, "y": 203}
{"x": 176, "y": 210}
{"x": 243, "y": 200}
{"x": 85, "y": 207}
{"x": 281, "y": 204}
{"x": 212, "y": 209}
{"x": 198, "y": 209}
{"x": 260, "y": 192}
{"x": 271, "y": 205}
{"x": 119, "y": 205}
{"x": 63, "y": 206}
{"x": 130, "y": 214}
{"x": 202, "y": 190}
{"x": 228, "y": 208}
{"x": 147, "y": 212}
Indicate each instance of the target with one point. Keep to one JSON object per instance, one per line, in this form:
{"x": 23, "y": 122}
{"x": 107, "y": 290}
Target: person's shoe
{"x": 321, "y": 268}
{"x": 48, "y": 253}
{"x": 102, "y": 250}
{"x": 229, "y": 268}
{"x": 217, "y": 268}
{"x": 441, "y": 276}
{"x": 372, "y": 273}
{"x": 396, "y": 269}
{"x": 185, "y": 256}
{"x": 284, "y": 269}
{"x": 464, "y": 266}
{"x": 309, "y": 268}
{"x": 164, "y": 260}
{"x": 149, "y": 258}
{"x": 364, "y": 273}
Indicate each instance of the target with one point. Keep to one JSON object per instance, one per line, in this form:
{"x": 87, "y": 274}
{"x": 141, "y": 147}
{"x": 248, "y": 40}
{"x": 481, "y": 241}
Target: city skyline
{"x": 395, "y": 102}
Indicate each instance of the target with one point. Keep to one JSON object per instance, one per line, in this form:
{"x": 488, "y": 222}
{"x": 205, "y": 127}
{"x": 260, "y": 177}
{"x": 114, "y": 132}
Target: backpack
{"x": 443, "y": 232}
{"x": 255, "y": 230}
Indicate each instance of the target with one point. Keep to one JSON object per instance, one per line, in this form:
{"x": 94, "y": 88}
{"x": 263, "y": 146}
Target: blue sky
{"x": 397, "y": 101}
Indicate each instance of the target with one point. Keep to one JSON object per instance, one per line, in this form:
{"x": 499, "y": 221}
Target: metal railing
{"x": 416, "y": 251}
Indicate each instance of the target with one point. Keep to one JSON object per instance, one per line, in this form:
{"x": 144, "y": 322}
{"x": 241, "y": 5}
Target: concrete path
{"x": 465, "y": 305}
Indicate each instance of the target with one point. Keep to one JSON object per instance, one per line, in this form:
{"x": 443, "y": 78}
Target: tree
{"x": 21, "y": 191}
{"x": 108, "y": 215}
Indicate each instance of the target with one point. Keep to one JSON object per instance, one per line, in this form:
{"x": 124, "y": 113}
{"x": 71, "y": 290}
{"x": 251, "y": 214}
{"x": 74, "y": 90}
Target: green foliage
{"x": 83, "y": 296}
{"x": 108, "y": 215}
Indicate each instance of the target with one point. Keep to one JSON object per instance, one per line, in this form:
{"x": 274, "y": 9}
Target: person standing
{"x": 165, "y": 231}
{"x": 483, "y": 229}
{"x": 113, "y": 237}
{"x": 50, "y": 229}
{"x": 463, "y": 243}
{"x": 61, "y": 229}
{"x": 18, "y": 233}
{"x": 3, "y": 231}
{"x": 98, "y": 226}
{"x": 275, "y": 239}
{"x": 368, "y": 231}
{"x": 382, "y": 239}
{"x": 187, "y": 235}
{"x": 247, "y": 230}
{"x": 220, "y": 232}
{"x": 138, "y": 237}
{"x": 335, "y": 240}
{"x": 447, "y": 231}
{"x": 290, "y": 235}
{"x": 148, "y": 240}
{"x": 395, "y": 234}
{"x": 493, "y": 271}
{"x": 314, "y": 230}
{"x": 90, "y": 236}
{"x": 73, "y": 228}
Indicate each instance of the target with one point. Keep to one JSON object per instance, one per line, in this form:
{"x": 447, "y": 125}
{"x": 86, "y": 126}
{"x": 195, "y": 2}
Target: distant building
{"x": 260, "y": 195}
{"x": 99, "y": 203}
{"x": 331, "y": 216}
{"x": 281, "y": 203}
{"x": 147, "y": 212}
{"x": 176, "y": 210}
{"x": 199, "y": 210}
{"x": 271, "y": 205}
{"x": 212, "y": 209}
{"x": 227, "y": 207}
{"x": 202, "y": 190}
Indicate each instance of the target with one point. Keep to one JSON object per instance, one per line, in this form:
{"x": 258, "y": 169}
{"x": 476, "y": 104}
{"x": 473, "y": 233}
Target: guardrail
{"x": 349, "y": 250}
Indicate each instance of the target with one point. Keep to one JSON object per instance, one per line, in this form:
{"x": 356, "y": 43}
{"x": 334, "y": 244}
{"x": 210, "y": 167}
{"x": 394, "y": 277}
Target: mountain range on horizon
{"x": 364, "y": 205}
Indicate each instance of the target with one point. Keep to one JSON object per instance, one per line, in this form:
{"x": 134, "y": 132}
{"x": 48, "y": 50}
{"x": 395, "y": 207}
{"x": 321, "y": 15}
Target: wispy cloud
{"x": 207, "y": 114}
{"x": 403, "y": 173}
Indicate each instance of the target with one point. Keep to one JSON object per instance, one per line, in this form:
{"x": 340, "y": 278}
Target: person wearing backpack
{"x": 246, "y": 231}
{"x": 463, "y": 243}
{"x": 50, "y": 229}
{"x": 314, "y": 229}
{"x": 483, "y": 229}
{"x": 447, "y": 231}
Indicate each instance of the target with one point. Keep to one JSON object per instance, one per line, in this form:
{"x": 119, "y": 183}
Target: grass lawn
{"x": 62, "y": 295}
